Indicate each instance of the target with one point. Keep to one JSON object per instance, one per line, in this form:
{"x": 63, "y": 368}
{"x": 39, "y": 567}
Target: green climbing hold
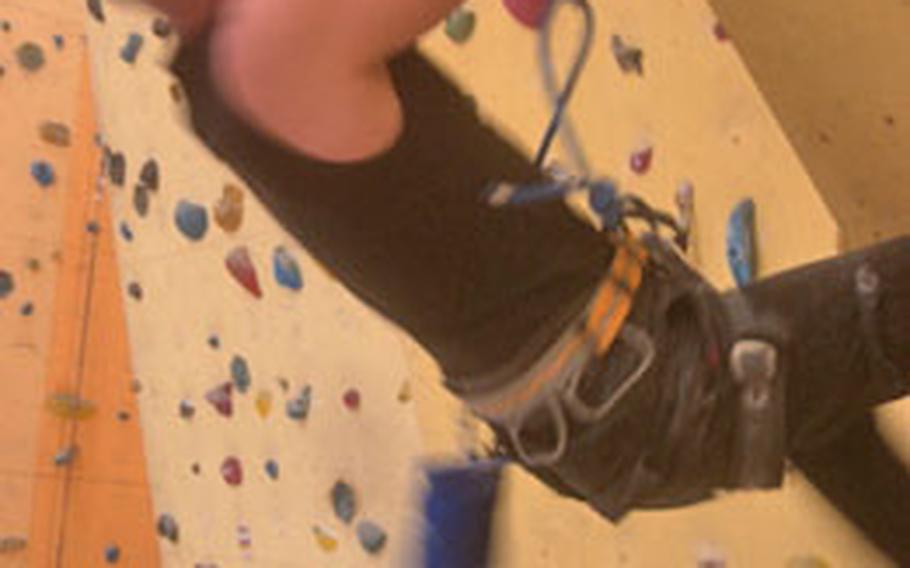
{"x": 371, "y": 536}
{"x": 240, "y": 374}
{"x": 460, "y": 24}
{"x": 167, "y": 528}
{"x": 30, "y": 56}
{"x": 7, "y": 285}
{"x": 344, "y": 501}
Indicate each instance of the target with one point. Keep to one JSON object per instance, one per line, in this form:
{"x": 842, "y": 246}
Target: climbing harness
{"x": 635, "y": 404}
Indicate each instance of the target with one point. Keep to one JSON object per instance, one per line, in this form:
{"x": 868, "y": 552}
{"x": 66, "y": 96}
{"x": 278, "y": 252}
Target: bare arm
{"x": 313, "y": 72}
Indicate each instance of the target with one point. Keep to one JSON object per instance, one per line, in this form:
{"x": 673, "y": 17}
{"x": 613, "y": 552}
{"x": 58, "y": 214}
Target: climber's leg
{"x": 863, "y": 479}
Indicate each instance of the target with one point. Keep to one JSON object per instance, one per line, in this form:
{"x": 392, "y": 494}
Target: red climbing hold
{"x": 240, "y": 265}
{"x": 220, "y": 398}
{"x": 232, "y": 471}
{"x": 720, "y": 32}
{"x": 351, "y": 399}
{"x": 640, "y": 161}
{"x": 529, "y": 12}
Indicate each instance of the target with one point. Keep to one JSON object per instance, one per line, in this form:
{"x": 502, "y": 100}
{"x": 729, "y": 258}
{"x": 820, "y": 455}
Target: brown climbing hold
{"x": 232, "y": 471}
{"x": 229, "y": 209}
{"x": 30, "y": 56}
{"x": 11, "y": 544}
{"x": 55, "y": 133}
{"x": 240, "y": 265}
{"x": 70, "y": 407}
{"x": 404, "y": 393}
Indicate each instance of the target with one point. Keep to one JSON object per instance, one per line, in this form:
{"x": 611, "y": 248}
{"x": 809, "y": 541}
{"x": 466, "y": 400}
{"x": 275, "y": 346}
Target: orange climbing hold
{"x": 326, "y": 542}
{"x": 264, "y": 403}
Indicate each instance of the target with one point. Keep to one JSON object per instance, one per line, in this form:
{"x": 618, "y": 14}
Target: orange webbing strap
{"x": 608, "y": 311}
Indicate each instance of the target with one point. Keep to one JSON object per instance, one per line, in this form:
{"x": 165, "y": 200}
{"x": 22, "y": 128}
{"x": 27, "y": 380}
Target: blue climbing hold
{"x": 343, "y": 501}
{"x": 112, "y": 554}
{"x": 271, "y": 469}
{"x": 43, "y": 173}
{"x": 298, "y": 408}
{"x": 603, "y": 197}
{"x": 192, "y": 220}
{"x": 371, "y": 536}
{"x": 130, "y": 50}
{"x": 59, "y": 42}
{"x": 287, "y": 271}
{"x": 741, "y": 252}
{"x": 240, "y": 373}
{"x": 125, "y": 231}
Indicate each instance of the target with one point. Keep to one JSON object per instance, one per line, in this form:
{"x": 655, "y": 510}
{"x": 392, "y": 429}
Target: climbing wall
{"x": 681, "y": 111}
{"x": 276, "y": 413}
{"x": 276, "y": 429}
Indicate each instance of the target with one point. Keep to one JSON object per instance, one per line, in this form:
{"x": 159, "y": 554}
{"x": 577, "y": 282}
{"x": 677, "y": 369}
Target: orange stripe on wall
{"x": 102, "y": 499}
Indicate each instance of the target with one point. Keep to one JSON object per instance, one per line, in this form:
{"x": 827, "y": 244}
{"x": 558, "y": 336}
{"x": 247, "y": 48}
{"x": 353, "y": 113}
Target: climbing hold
{"x": 96, "y": 10}
{"x": 240, "y": 265}
{"x": 326, "y": 541}
{"x": 161, "y": 27}
{"x": 229, "y": 208}
{"x": 628, "y": 57}
{"x": 271, "y": 469}
{"x": 125, "y": 231}
{"x": 531, "y": 13}
{"x": 65, "y": 456}
{"x": 141, "y": 200}
{"x": 287, "y": 271}
{"x": 130, "y": 50}
{"x": 196, "y": 469}
{"x": 27, "y": 309}
{"x": 59, "y": 42}
{"x": 343, "y": 501}
{"x": 404, "y": 393}
{"x": 116, "y": 168}
{"x": 112, "y": 554}
{"x": 264, "y": 403}
{"x": 220, "y": 398}
{"x": 460, "y": 24}
{"x": 43, "y": 173}
{"x": 167, "y": 528}
{"x": 70, "y": 407}
{"x": 232, "y": 471}
{"x": 298, "y": 408}
{"x": 34, "y": 264}
{"x": 807, "y": 561}
{"x": 371, "y": 536}
{"x": 351, "y": 399}
{"x": 187, "y": 410}
{"x": 10, "y": 544}
{"x": 214, "y": 342}
{"x": 741, "y": 253}
{"x": 5, "y": 26}
{"x": 720, "y": 32}
{"x": 135, "y": 291}
{"x": 244, "y": 536}
{"x": 240, "y": 373}
{"x": 55, "y": 133}
{"x": 192, "y": 220}
{"x": 640, "y": 161}
{"x": 93, "y": 227}
{"x": 7, "y": 285}
{"x": 284, "y": 384}
{"x": 176, "y": 92}
{"x": 135, "y": 386}
{"x": 123, "y": 416}
{"x": 30, "y": 56}
{"x": 149, "y": 175}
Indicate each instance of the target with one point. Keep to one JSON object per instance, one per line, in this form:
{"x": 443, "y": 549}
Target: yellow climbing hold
{"x": 326, "y": 542}
{"x": 264, "y": 403}
{"x": 70, "y": 407}
{"x": 807, "y": 561}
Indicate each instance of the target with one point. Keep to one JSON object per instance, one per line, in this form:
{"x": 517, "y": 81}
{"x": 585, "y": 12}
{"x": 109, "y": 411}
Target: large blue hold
{"x": 287, "y": 271}
{"x": 192, "y": 220}
{"x": 741, "y": 251}
{"x": 459, "y": 509}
